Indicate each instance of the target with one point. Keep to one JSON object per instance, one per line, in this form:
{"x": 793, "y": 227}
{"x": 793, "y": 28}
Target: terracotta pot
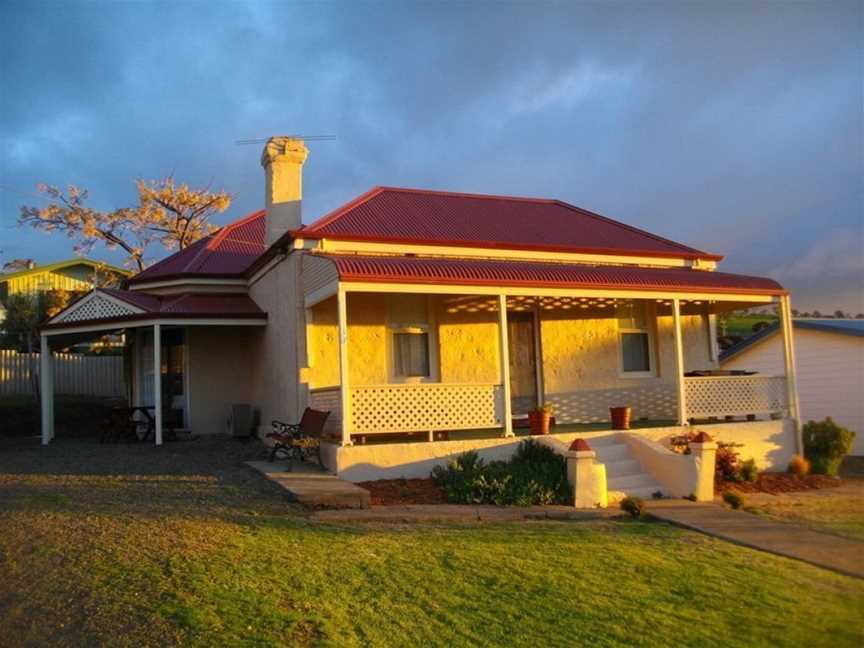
{"x": 620, "y": 417}
{"x": 539, "y": 422}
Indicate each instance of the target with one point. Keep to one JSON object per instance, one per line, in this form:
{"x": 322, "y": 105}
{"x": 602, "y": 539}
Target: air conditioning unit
{"x": 242, "y": 421}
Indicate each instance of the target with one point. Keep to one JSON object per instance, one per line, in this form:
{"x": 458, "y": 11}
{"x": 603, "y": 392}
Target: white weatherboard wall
{"x": 830, "y": 375}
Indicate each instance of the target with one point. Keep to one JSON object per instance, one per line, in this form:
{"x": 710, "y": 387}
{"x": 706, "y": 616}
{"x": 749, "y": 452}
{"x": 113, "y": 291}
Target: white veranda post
{"x": 157, "y": 381}
{"x": 789, "y": 361}
{"x": 342, "y": 308}
{"x": 679, "y": 363}
{"x": 46, "y": 380}
{"x": 505, "y": 363}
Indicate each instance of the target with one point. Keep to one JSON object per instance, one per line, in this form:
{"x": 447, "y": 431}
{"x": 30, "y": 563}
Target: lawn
{"x": 182, "y": 545}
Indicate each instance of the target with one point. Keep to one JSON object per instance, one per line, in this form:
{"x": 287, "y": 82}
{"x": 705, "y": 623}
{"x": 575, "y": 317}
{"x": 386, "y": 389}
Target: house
{"x": 429, "y": 323}
{"x": 77, "y": 275}
{"x": 830, "y": 362}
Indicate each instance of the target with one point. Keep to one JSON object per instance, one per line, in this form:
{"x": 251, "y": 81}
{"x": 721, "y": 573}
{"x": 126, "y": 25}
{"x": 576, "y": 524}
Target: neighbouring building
{"x": 830, "y": 363}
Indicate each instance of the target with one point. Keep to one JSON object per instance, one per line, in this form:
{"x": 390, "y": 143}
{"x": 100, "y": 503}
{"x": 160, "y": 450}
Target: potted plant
{"x": 620, "y": 418}
{"x": 539, "y": 419}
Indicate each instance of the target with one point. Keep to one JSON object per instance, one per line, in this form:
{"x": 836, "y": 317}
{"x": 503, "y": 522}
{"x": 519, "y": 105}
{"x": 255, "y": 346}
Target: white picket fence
{"x": 73, "y": 374}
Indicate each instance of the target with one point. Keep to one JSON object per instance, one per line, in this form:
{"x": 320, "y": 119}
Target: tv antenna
{"x": 307, "y": 138}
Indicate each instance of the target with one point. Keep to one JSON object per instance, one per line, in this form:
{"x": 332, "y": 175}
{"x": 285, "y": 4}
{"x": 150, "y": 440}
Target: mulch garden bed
{"x": 774, "y": 483}
{"x": 393, "y": 492}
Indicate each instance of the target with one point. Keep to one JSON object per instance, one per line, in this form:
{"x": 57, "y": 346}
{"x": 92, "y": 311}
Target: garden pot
{"x": 620, "y": 417}
{"x": 539, "y": 422}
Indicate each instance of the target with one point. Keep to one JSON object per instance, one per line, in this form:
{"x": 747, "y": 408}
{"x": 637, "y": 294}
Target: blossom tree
{"x": 173, "y": 215}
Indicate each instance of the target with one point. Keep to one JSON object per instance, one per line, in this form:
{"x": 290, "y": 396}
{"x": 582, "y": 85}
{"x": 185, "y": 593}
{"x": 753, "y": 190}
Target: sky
{"x": 737, "y": 128}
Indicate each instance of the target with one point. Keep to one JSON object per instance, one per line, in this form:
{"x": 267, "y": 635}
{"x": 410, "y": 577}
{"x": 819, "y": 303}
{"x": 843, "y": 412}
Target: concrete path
{"x": 822, "y": 549}
{"x": 311, "y": 486}
{"x": 421, "y": 513}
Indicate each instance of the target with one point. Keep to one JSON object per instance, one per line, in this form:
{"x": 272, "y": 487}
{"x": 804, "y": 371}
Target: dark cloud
{"x": 732, "y": 127}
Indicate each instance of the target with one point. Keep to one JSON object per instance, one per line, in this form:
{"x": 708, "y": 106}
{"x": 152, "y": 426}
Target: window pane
{"x": 634, "y": 352}
{"x": 411, "y": 352}
{"x": 631, "y": 315}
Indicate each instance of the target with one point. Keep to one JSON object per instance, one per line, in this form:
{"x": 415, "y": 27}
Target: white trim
{"x": 93, "y": 295}
{"x": 679, "y": 363}
{"x": 187, "y": 380}
{"x": 505, "y": 364}
{"x": 113, "y": 326}
{"x": 791, "y": 373}
{"x": 345, "y": 394}
{"x": 169, "y": 283}
{"x": 538, "y": 357}
{"x": 529, "y": 291}
{"x": 650, "y": 318}
{"x": 469, "y": 251}
{"x": 157, "y": 382}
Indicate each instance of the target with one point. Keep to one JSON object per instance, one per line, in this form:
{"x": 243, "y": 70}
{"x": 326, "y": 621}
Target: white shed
{"x": 829, "y": 357}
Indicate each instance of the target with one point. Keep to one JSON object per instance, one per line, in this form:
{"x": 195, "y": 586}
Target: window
{"x": 412, "y": 339}
{"x": 634, "y": 339}
{"x": 411, "y": 354}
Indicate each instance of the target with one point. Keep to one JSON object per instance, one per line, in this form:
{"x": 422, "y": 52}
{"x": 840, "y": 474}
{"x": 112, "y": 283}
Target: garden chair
{"x": 299, "y": 440}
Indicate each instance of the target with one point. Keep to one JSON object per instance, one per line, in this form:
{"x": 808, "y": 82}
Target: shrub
{"x": 799, "y": 466}
{"x": 749, "y": 471}
{"x": 535, "y": 475}
{"x": 826, "y": 444}
{"x": 726, "y": 465}
{"x": 733, "y": 499}
{"x": 633, "y": 505}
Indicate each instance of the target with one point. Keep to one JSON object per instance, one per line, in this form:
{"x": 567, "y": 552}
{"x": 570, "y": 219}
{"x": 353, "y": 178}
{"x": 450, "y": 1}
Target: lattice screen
{"x": 735, "y": 395}
{"x": 424, "y": 407}
{"x": 96, "y": 307}
{"x": 592, "y": 405}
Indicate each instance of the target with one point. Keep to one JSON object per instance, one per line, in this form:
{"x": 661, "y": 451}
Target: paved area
{"x": 824, "y": 550}
{"x": 311, "y": 486}
{"x": 431, "y": 513}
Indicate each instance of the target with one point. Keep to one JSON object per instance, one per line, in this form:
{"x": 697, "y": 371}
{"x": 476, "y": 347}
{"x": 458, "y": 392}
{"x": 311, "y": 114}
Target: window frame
{"x": 430, "y": 328}
{"x": 649, "y": 315}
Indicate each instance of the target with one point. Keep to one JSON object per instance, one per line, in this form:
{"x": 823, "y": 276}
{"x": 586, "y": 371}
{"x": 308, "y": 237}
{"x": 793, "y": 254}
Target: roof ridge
{"x": 333, "y": 215}
{"x": 632, "y": 228}
{"x": 464, "y": 194}
{"x": 220, "y": 234}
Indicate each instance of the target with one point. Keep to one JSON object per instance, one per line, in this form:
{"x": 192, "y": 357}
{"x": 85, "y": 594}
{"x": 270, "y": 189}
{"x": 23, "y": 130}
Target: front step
{"x": 625, "y": 476}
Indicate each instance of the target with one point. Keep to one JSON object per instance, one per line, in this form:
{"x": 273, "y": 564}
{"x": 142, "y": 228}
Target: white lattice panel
{"x": 735, "y": 395}
{"x": 328, "y": 399}
{"x": 96, "y": 307}
{"x": 424, "y": 407}
{"x": 592, "y": 405}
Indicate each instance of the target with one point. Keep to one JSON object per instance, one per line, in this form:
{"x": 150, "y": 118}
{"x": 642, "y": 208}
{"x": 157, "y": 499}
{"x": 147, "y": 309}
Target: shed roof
{"x": 398, "y": 215}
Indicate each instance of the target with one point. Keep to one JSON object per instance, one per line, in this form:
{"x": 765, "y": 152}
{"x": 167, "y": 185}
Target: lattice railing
{"x": 426, "y": 407}
{"x": 735, "y": 395}
{"x": 656, "y": 401}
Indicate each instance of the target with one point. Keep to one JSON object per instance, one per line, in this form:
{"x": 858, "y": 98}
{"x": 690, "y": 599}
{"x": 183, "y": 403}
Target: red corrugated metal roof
{"x": 227, "y": 253}
{"x": 192, "y": 304}
{"x": 483, "y": 272}
{"x": 443, "y": 218}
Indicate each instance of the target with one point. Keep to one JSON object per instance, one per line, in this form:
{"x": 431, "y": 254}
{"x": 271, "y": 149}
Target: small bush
{"x": 749, "y": 471}
{"x": 726, "y": 465}
{"x": 535, "y": 475}
{"x": 799, "y": 466}
{"x": 733, "y": 499}
{"x": 633, "y": 505}
{"x": 825, "y": 445}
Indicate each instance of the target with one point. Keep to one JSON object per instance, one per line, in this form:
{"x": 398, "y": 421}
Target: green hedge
{"x": 826, "y": 444}
{"x": 535, "y": 475}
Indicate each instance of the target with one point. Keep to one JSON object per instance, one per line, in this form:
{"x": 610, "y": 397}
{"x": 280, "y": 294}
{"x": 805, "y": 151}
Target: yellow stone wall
{"x": 577, "y": 353}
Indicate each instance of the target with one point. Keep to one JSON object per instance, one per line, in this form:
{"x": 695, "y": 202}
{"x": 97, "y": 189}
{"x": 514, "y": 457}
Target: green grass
{"x": 742, "y": 324}
{"x": 139, "y": 546}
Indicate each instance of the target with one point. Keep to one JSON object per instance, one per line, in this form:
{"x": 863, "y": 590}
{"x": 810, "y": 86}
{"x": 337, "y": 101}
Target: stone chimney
{"x": 283, "y": 159}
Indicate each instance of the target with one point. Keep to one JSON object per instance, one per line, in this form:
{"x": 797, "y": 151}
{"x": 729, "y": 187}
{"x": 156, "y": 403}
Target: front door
{"x": 523, "y": 362}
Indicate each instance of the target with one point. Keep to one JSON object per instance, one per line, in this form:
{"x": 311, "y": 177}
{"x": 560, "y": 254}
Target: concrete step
{"x": 612, "y": 452}
{"x": 630, "y": 482}
{"x": 602, "y": 441}
{"x": 311, "y": 486}
{"x": 623, "y": 467}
